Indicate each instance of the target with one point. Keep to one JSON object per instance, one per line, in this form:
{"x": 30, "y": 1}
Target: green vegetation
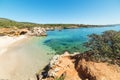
{"x": 60, "y": 78}
{"x": 11, "y": 23}
{"x": 105, "y": 47}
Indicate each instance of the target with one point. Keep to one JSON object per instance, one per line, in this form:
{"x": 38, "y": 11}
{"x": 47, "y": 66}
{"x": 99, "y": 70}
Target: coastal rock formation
{"x": 38, "y": 31}
{"x": 13, "y": 31}
{"x": 49, "y": 29}
{"x": 73, "y": 67}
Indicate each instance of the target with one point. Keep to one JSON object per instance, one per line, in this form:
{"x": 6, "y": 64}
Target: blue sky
{"x": 62, "y": 11}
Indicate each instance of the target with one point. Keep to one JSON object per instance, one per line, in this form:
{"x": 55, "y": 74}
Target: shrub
{"x": 105, "y": 47}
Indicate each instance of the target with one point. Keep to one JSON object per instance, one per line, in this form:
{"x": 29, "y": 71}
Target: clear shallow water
{"x": 72, "y": 39}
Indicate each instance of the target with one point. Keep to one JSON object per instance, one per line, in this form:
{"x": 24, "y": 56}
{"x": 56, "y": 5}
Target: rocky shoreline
{"x": 36, "y": 31}
{"x": 74, "y": 67}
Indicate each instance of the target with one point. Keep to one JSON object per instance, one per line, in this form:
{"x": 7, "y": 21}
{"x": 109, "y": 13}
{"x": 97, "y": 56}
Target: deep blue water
{"x": 72, "y": 39}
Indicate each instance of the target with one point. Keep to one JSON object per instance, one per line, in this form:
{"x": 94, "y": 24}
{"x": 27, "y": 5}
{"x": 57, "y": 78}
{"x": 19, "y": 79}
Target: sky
{"x": 62, "y": 11}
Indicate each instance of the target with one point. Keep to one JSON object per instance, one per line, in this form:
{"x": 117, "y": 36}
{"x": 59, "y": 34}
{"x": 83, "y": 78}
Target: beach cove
{"x": 22, "y": 57}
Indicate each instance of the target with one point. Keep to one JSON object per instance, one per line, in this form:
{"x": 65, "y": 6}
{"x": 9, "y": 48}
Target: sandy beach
{"x": 21, "y": 57}
{"x": 6, "y": 41}
{"x": 8, "y": 60}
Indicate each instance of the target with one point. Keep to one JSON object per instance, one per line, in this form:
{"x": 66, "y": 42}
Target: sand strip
{"x": 6, "y": 41}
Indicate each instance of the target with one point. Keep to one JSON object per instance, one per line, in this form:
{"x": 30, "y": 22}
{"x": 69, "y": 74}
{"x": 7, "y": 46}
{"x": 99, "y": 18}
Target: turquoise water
{"x": 72, "y": 39}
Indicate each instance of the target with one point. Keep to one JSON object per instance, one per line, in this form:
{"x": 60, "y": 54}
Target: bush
{"x": 105, "y": 47}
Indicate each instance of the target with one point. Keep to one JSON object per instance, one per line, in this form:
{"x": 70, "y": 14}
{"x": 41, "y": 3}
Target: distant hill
{"x": 11, "y": 23}
{"x": 8, "y": 23}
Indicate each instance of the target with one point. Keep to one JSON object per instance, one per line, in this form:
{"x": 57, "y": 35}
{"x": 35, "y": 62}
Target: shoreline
{"x": 23, "y": 57}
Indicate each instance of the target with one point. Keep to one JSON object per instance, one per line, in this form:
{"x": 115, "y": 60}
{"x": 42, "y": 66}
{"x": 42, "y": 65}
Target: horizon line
{"x": 59, "y": 23}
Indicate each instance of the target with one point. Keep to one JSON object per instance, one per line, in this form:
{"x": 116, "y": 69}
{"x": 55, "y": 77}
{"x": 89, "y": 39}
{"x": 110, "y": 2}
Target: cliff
{"x": 73, "y": 67}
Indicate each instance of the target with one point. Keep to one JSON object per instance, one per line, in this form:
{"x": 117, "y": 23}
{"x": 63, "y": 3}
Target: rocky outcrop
{"x": 13, "y": 31}
{"x": 73, "y": 67}
{"x": 89, "y": 70}
{"x": 49, "y": 29}
{"x": 38, "y": 31}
